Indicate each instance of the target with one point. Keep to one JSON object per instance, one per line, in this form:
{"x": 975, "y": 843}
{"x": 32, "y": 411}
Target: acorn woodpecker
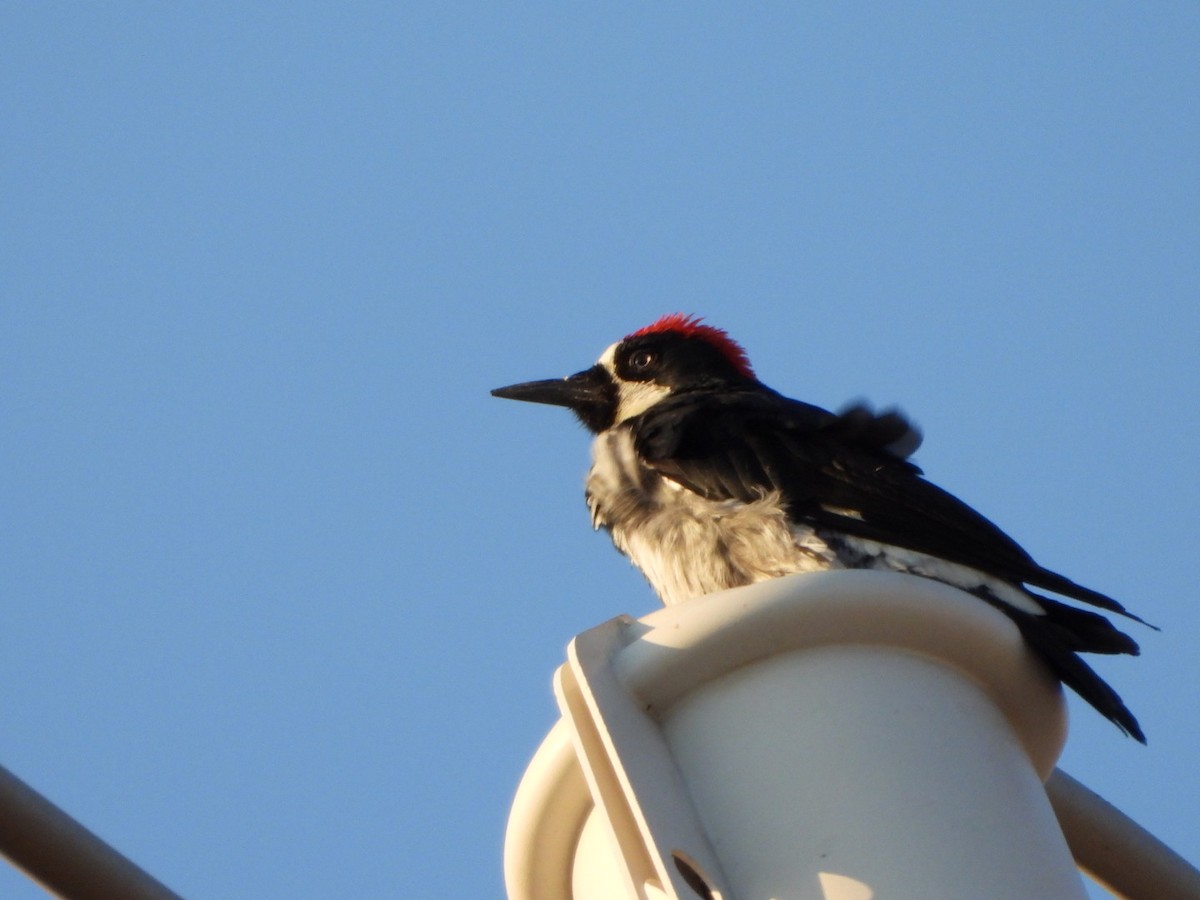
{"x": 708, "y": 479}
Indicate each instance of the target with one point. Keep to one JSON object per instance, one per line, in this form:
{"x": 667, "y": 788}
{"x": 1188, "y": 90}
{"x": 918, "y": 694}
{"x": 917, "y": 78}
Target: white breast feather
{"x": 686, "y": 545}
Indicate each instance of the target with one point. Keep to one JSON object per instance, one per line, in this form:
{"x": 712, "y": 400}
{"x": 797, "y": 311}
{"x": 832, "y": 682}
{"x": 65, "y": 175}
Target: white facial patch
{"x": 608, "y": 358}
{"x": 633, "y": 397}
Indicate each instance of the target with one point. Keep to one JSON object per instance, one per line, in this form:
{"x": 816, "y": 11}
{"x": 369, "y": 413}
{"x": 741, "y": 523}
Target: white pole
{"x": 847, "y": 773}
{"x": 836, "y": 736}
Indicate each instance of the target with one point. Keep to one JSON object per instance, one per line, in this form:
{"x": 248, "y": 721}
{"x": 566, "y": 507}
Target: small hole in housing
{"x": 694, "y": 876}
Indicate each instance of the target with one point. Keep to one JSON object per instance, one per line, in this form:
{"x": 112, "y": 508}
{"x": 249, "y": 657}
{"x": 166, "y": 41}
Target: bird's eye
{"x": 642, "y": 360}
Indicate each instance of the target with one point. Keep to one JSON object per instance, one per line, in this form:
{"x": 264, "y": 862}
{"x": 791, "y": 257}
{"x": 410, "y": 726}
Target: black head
{"x": 679, "y": 352}
{"x": 674, "y": 354}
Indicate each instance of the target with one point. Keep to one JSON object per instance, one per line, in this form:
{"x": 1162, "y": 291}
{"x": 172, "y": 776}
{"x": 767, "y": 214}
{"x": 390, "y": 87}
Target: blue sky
{"x": 284, "y": 587}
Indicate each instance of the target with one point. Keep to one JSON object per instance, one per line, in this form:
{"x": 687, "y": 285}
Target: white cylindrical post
{"x": 836, "y": 736}
{"x": 847, "y": 773}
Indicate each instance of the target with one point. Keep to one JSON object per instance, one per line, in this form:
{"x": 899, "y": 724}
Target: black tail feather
{"x": 1062, "y": 633}
{"x": 1060, "y": 584}
{"x": 1084, "y": 631}
{"x": 1072, "y": 671}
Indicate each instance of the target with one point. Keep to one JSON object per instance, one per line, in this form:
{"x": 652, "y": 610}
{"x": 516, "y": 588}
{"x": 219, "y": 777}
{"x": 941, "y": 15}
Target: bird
{"x": 707, "y": 479}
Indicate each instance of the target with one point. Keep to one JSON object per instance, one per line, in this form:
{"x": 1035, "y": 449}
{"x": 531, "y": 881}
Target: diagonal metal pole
{"x": 1115, "y": 850}
{"x": 64, "y": 857}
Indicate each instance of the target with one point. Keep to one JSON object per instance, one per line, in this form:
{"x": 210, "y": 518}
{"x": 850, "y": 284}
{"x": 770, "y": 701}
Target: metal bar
{"x": 64, "y": 857}
{"x": 1115, "y": 850}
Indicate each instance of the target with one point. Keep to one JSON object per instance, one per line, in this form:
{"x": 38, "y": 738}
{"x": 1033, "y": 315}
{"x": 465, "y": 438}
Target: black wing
{"x": 845, "y": 472}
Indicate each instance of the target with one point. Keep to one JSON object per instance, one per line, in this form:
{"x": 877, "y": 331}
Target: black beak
{"x": 590, "y": 394}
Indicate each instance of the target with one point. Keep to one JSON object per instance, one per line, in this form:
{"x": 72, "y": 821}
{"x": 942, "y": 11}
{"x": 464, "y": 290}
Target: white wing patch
{"x": 899, "y": 559}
